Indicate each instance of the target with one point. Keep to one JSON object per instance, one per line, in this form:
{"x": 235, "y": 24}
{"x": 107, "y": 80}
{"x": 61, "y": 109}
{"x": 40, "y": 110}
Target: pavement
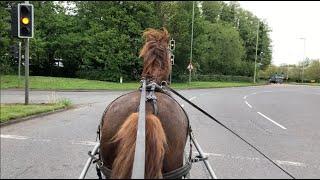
{"x": 282, "y": 121}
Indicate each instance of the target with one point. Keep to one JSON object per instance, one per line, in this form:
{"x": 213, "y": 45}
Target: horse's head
{"x": 156, "y": 55}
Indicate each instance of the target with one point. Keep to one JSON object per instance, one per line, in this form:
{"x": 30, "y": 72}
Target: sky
{"x": 289, "y": 21}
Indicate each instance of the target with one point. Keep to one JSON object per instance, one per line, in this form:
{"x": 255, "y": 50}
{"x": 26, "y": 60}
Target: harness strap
{"x": 175, "y": 174}
{"x": 151, "y": 88}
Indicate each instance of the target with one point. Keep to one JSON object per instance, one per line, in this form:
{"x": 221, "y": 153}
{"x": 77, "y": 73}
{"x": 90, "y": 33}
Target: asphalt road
{"x": 280, "y": 120}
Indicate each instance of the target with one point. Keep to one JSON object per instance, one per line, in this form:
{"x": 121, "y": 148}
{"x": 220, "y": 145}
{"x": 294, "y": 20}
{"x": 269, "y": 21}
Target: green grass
{"x": 13, "y": 111}
{"x": 54, "y": 83}
{"x": 309, "y": 84}
{"x": 200, "y": 85}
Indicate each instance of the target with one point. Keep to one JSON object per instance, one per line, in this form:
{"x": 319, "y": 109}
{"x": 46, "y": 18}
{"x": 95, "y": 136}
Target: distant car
{"x": 276, "y": 79}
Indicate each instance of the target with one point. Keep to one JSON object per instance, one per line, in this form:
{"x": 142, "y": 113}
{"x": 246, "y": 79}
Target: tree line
{"x": 101, "y": 40}
{"x": 306, "y": 71}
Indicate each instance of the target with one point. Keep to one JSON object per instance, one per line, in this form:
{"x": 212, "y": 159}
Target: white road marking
{"x": 267, "y": 91}
{"x": 86, "y": 143}
{"x": 288, "y": 163}
{"x": 245, "y": 97}
{"x": 192, "y": 98}
{"x": 13, "y": 137}
{"x": 254, "y": 93}
{"x": 248, "y": 104}
{"x": 92, "y": 143}
{"x": 271, "y": 120}
{"x": 182, "y": 105}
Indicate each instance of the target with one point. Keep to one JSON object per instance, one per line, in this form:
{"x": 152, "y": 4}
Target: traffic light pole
{"x": 26, "y": 65}
{"x": 19, "y": 65}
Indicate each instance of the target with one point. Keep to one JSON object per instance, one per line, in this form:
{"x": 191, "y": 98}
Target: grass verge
{"x": 13, "y": 111}
{"x": 57, "y": 83}
{"x": 309, "y": 84}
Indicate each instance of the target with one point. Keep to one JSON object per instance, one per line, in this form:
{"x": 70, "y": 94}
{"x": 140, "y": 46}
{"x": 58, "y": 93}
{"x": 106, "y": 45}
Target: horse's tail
{"x": 125, "y": 139}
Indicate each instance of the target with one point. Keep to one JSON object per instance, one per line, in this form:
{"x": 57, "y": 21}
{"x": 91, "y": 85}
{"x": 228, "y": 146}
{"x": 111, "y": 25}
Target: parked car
{"x": 276, "y": 79}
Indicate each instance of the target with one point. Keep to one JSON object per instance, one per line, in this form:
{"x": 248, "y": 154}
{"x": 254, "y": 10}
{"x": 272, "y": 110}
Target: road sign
{"x": 190, "y": 67}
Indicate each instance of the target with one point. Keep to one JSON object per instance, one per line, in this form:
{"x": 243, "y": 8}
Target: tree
{"x": 313, "y": 71}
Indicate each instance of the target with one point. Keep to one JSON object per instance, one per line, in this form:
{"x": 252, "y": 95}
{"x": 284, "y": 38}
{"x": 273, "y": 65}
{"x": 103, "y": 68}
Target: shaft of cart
{"x": 88, "y": 163}
{"x": 202, "y": 154}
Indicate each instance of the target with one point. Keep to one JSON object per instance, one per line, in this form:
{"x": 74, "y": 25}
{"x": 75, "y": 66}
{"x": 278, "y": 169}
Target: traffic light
{"x": 25, "y": 18}
{"x": 14, "y": 21}
{"x": 14, "y": 51}
{"x": 172, "y": 44}
{"x": 172, "y": 59}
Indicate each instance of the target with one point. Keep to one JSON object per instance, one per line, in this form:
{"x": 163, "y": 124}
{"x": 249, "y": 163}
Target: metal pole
{"x": 206, "y": 162}
{"x": 304, "y": 56}
{"x": 19, "y": 66}
{"x": 26, "y": 65}
{"x": 88, "y": 163}
{"x": 287, "y": 72}
{"x": 255, "y": 60}
{"x": 191, "y": 40}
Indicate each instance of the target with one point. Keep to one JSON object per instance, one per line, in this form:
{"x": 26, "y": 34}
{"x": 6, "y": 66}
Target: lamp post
{"x": 304, "y": 56}
{"x": 191, "y": 42}
{"x": 255, "y": 60}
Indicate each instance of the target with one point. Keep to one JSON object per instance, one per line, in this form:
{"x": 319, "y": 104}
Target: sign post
{"x": 190, "y": 67}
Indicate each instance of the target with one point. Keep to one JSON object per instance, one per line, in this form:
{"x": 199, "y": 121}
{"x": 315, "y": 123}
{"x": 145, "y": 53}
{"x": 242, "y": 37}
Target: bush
{"x": 101, "y": 75}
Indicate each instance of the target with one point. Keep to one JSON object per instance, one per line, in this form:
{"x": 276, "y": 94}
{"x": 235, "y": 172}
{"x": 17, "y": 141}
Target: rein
{"x": 214, "y": 119}
{"x": 139, "y": 155}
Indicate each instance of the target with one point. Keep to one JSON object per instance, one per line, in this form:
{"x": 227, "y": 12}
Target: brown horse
{"x": 166, "y": 132}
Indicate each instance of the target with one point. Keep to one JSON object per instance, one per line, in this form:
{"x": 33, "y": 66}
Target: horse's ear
{"x": 165, "y": 35}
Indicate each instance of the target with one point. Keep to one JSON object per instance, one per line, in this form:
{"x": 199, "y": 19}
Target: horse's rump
{"x": 173, "y": 119}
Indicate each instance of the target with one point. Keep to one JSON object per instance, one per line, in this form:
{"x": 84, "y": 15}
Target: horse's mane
{"x": 155, "y": 55}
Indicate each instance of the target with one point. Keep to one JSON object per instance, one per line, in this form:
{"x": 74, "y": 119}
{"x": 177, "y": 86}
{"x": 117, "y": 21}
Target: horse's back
{"x": 173, "y": 119}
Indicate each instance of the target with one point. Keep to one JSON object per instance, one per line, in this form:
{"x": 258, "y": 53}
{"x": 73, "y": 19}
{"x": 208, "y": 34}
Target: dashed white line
{"x": 245, "y": 97}
{"x": 248, "y": 104}
{"x": 182, "y": 105}
{"x": 267, "y": 91}
{"x": 271, "y": 120}
{"x": 13, "y": 137}
{"x": 86, "y": 143}
{"x": 288, "y": 163}
{"x": 192, "y": 98}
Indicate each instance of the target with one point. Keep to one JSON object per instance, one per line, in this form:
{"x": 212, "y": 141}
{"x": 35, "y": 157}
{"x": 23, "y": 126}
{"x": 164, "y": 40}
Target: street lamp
{"x": 191, "y": 43}
{"x": 255, "y": 60}
{"x": 304, "y": 56}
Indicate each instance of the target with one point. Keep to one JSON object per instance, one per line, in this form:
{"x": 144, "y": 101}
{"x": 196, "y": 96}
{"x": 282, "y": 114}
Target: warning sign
{"x": 190, "y": 67}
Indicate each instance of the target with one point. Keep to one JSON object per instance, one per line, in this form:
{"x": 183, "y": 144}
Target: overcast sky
{"x": 289, "y": 21}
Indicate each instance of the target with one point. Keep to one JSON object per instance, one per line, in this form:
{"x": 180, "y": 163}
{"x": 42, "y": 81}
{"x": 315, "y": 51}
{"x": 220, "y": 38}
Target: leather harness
{"x": 151, "y": 88}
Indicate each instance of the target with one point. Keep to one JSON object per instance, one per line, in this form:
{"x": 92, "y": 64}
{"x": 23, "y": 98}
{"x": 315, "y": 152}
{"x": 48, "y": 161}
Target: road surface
{"x": 280, "y": 120}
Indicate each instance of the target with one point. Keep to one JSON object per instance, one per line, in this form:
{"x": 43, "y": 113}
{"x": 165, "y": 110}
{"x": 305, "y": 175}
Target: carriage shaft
{"x": 88, "y": 163}
{"x": 202, "y": 154}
